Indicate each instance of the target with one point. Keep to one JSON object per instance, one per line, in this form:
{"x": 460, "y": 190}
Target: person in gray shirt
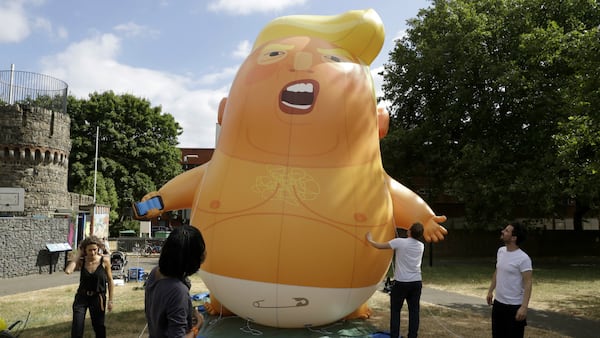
{"x": 168, "y": 306}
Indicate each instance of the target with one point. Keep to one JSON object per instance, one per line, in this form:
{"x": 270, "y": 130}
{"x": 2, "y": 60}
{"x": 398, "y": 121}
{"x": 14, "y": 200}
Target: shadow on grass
{"x": 118, "y": 325}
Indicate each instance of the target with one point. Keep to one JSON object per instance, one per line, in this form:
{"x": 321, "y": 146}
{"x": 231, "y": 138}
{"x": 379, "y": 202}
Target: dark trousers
{"x": 80, "y": 305}
{"x": 504, "y": 324}
{"x": 411, "y": 292}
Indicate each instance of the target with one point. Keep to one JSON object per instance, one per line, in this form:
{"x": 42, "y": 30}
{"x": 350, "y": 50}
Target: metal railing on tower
{"x": 32, "y": 89}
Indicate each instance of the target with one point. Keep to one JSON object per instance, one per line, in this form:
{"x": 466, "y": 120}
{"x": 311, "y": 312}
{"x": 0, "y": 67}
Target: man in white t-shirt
{"x": 512, "y": 281}
{"x": 407, "y": 278}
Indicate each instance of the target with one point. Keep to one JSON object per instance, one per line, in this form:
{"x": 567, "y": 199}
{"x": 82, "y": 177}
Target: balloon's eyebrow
{"x": 277, "y": 46}
{"x": 335, "y": 51}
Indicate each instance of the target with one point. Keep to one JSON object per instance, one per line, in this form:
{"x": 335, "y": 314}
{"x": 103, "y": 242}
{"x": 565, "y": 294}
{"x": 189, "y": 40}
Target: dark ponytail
{"x": 182, "y": 253}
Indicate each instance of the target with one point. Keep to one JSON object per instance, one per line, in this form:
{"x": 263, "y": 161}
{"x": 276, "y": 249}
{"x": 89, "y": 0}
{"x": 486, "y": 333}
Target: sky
{"x": 181, "y": 55}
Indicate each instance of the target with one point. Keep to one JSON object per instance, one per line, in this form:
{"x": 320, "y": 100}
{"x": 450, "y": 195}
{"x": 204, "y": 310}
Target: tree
{"x": 106, "y": 192}
{"x": 579, "y": 137}
{"x": 137, "y": 146}
{"x": 479, "y": 91}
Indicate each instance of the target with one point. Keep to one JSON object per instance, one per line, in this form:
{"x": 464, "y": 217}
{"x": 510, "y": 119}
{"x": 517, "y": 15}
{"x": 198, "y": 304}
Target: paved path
{"x": 553, "y": 321}
{"x": 11, "y": 286}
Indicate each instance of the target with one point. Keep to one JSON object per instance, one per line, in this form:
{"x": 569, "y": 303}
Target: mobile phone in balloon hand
{"x": 142, "y": 208}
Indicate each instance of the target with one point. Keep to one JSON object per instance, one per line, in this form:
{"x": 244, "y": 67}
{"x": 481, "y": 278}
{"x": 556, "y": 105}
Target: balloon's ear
{"x": 221, "y": 110}
{"x": 383, "y": 121}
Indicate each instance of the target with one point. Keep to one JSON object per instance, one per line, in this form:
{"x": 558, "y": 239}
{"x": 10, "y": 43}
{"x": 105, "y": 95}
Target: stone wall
{"x": 23, "y": 242}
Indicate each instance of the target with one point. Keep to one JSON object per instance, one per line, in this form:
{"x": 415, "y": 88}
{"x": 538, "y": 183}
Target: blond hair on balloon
{"x": 360, "y": 32}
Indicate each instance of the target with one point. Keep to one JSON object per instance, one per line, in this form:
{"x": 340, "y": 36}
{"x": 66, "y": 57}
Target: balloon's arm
{"x": 410, "y": 208}
{"x": 176, "y": 194}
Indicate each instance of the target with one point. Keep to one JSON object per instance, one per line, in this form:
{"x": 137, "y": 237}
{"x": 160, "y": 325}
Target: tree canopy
{"x": 492, "y": 102}
{"x": 137, "y": 148}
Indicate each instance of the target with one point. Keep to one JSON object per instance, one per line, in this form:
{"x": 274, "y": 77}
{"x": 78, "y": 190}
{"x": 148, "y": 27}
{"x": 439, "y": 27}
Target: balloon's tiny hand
{"x": 433, "y": 231}
{"x": 150, "y": 195}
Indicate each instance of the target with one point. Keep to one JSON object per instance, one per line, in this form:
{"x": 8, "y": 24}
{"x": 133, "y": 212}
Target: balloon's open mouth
{"x": 299, "y": 97}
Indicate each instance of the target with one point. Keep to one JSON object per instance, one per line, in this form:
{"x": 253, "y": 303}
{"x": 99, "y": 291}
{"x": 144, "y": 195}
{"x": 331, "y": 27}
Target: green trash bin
{"x": 162, "y": 234}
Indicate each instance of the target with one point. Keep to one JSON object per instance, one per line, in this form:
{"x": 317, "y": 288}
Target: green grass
{"x": 559, "y": 285}
{"x": 51, "y": 312}
{"x": 562, "y": 285}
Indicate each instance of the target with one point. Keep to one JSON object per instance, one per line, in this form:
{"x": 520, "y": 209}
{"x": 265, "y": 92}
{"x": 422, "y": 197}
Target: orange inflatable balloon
{"x": 296, "y": 179}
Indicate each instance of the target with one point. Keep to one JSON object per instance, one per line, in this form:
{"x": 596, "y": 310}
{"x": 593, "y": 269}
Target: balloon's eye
{"x": 272, "y": 56}
{"x": 333, "y": 58}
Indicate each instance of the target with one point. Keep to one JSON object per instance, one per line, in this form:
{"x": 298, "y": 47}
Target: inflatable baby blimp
{"x": 296, "y": 179}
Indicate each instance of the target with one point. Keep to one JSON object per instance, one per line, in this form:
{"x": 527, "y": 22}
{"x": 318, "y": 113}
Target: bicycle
{"x": 150, "y": 249}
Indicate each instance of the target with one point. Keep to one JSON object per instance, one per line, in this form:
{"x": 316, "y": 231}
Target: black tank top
{"x": 95, "y": 281}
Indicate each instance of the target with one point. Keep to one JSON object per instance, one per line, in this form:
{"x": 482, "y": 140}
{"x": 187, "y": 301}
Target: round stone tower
{"x": 34, "y": 141}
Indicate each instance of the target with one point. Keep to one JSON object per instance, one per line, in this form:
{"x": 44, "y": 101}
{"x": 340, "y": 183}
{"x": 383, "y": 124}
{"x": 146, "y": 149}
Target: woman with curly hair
{"x": 95, "y": 280}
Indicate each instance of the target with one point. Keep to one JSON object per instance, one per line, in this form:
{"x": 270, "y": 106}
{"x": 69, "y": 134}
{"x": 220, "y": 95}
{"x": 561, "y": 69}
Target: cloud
{"x": 91, "y": 65}
{"x": 131, "y": 29}
{"x": 225, "y": 75}
{"x": 15, "y": 25}
{"x": 42, "y": 24}
{"x": 245, "y": 7}
{"x": 243, "y": 50}
{"x": 62, "y": 33}
{"x": 399, "y": 35}
{"x": 378, "y": 80}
